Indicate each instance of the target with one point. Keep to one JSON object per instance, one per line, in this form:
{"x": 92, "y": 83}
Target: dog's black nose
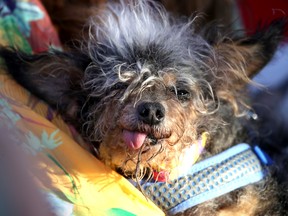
{"x": 151, "y": 113}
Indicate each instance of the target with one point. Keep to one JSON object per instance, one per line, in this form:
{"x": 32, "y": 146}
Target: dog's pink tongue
{"x": 134, "y": 140}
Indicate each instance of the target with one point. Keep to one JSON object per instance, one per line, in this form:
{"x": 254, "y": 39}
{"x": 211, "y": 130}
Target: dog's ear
{"x": 53, "y": 76}
{"x": 248, "y": 53}
{"x": 236, "y": 59}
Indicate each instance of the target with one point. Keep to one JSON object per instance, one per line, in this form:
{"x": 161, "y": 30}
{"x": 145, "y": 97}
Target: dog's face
{"x": 152, "y": 119}
{"x": 145, "y": 86}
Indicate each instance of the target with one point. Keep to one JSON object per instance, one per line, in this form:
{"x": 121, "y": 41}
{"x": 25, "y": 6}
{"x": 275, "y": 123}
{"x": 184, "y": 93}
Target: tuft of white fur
{"x": 126, "y": 27}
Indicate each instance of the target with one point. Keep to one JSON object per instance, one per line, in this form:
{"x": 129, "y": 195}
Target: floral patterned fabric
{"x": 75, "y": 182}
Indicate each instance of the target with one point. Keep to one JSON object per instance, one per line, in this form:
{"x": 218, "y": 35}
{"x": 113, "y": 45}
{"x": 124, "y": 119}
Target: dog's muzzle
{"x": 151, "y": 113}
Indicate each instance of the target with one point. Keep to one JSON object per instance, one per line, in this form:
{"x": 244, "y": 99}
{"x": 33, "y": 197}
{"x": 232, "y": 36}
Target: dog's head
{"x": 145, "y": 86}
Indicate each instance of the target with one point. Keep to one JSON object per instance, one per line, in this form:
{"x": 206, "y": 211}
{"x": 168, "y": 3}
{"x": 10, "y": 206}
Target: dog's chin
{"x": 153, "y": 155}
{"x": 123, "y": 157}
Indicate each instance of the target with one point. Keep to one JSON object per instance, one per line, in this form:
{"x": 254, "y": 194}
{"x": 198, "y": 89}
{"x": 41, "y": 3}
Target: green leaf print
{"x": 36, "y": 144}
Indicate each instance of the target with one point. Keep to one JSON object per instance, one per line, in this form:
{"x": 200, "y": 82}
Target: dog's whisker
{"x": 161, "y": 149}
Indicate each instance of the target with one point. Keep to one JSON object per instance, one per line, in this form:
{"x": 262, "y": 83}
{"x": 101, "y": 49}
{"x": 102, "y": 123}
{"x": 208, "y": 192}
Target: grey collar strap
{"x": 236, "y": 167}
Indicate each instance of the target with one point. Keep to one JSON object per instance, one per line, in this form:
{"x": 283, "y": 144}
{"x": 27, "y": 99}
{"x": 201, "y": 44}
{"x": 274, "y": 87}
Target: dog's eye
{"x": 182, "y": 94}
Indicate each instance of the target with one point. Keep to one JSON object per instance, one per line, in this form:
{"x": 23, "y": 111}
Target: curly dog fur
{"x": 143, "y": 85}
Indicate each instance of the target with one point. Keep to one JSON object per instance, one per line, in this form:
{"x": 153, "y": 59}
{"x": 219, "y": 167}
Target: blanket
{"x": 74, "y": 181}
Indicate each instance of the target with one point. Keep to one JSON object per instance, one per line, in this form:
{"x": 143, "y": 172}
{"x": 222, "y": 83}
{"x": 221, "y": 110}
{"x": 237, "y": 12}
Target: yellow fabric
{"x": 74, "y": 180}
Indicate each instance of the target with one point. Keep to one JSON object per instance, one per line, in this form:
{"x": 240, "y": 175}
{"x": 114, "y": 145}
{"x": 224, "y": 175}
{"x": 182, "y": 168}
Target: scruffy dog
{"x": 145, "y": 88}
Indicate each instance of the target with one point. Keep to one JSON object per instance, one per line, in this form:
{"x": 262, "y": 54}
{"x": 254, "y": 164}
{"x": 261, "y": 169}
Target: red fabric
{"x": 254, "y": 12}
{"x": 43, "y": 33}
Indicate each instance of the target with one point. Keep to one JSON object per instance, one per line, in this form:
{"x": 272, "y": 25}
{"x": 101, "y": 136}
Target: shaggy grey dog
{"x": 144, "y": 87}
